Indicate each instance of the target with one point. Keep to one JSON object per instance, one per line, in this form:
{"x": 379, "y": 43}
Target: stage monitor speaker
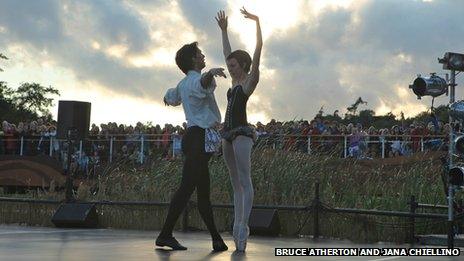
{"x": 73, "y": 115}
{"x": 76, "y": 215}
{"x": 264, "y": 222}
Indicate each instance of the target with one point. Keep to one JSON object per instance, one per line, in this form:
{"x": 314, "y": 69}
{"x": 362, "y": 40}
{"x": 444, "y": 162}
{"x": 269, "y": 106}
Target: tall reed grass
{"x": 279, "y": 178}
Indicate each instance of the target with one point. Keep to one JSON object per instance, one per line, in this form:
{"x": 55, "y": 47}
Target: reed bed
{"x": 279, "y": 178}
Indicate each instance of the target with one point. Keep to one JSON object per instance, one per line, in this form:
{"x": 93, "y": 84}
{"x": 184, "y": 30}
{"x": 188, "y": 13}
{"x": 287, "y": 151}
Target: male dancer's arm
{"x": 254, "y": 74}
{"x": 222, "y": 22}
{"x": 207, "y": 78}
{"x": 172, "y": 97}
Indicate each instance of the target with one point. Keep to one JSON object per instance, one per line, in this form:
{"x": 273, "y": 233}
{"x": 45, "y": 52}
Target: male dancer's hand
{"x": 217, "y": 72}
{"x": 208, "y": 77}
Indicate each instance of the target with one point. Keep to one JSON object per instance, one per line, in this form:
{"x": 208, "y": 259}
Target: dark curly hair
{"x": 185, "y": 55}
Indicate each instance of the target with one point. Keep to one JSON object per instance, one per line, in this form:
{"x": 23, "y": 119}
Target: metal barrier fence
{"x": 138, "y": 147}
{"x": 314, "y": 210}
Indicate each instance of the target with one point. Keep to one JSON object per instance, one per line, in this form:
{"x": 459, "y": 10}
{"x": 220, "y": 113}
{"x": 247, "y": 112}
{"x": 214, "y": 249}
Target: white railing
{"x": 141, "y": 144}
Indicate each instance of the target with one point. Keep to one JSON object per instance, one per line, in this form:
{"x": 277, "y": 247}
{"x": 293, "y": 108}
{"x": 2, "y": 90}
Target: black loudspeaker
{"x": 76, "y": 215}
{"x": 73, "y": 115}
{"x": 264, "y": 222}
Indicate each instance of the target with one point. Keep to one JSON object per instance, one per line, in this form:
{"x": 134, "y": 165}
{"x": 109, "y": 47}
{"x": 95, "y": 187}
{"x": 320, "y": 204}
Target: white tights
{"x": 238, "y": 160}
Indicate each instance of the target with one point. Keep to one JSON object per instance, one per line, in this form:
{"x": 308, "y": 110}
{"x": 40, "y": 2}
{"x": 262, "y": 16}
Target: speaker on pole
{"x": 73, "y": 115}
{"x": 73, "y": 125}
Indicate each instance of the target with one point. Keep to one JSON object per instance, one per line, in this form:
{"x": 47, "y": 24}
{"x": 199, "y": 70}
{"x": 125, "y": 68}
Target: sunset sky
{"x": 119, "y": 55}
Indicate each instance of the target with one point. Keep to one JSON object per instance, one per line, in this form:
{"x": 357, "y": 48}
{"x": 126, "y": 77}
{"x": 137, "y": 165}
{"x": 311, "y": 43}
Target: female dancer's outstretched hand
{"x": 249, "y": 15}
{"x": 221, "y": 19}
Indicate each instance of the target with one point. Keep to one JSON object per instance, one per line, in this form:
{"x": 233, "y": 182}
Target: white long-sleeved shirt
{"x": 199, "y": 103}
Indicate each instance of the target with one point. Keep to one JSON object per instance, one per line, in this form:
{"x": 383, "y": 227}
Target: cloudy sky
{"x": 119, "y": 55}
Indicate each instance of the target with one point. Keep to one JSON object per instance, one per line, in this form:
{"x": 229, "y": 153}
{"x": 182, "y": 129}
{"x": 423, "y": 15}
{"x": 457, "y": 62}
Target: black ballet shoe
{"x": 219, "y": 245}
{"x": 169, "y": 242}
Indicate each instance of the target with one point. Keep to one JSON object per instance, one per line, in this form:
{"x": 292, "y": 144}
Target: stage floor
{"x": 43, "y": 243}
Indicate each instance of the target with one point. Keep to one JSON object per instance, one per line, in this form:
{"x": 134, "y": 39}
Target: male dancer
{"x": 196, "y": 93}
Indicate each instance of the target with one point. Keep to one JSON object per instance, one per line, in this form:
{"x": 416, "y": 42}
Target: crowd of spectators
{"x": 354, "y": 140}
{"x": 35, "y": 135}
{"x": 142, "y": 142}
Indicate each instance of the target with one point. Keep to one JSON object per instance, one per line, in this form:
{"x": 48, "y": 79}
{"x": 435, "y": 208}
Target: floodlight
{"x": 429, "y": 86}
{"x": 459, "y": 144}
{"x": 452, "y": 61}
{"x": 456, "y": 110}
{"x": 456, "y": 175}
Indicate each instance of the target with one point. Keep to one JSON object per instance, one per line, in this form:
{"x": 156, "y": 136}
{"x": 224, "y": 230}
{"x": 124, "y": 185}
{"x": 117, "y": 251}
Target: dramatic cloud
{"x": 92, "y": 38}
{"x": 108, "y": 22}
{"x": 328, "y": 57}
{"x": 372, "y": 50}
{"x": 200, "y": 14}
{"x": 35, "y": 23}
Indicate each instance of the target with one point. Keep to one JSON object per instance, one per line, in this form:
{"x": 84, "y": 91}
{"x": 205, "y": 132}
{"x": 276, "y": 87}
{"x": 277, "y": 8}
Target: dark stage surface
{"x": 41, "y": 243}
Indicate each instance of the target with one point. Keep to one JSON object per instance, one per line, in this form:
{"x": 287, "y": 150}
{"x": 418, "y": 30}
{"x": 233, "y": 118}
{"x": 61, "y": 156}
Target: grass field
{"x": 279, "y": 178}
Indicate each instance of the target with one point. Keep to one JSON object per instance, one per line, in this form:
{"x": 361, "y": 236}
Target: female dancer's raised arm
{"x": 254, "y": 74}
{"x": 222, "y": 22}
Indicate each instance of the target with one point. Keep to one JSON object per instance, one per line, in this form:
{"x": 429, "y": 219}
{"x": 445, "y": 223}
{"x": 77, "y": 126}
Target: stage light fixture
{"x": 429, "y": 86}
{"x": 459, "y": 144}
{"x": 456, "y": 110}
{"x": 452, "y": 61}
{"x": 456, "y": 175}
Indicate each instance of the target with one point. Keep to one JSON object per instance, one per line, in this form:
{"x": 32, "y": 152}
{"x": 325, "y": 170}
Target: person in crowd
{"x": 176, "y": 143}
{"x": 54, "y": 140}
{"x": 373, "y": 143}
{"x": 362, "y": 141}
{"x": 446, "y": 133}
{"x": 326, "y": 139}
{"x": 406, "y": 144}
{"x": 396, "y": 142}
{"x": 354, "y": 141}
{"x": 10, "y": 138}
{"x": 304, "y": 129}
{"x": 94, "y": 130}
{"x": 416, "y": 133}
{"x": 314, "y": 133}
{"x": 166, "y": 140}
{"x": 43, "y": 144}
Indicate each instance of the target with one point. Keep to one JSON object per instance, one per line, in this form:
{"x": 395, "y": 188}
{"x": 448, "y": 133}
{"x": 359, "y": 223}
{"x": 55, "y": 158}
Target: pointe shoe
{"x": 236, "y": 242}
{"x": 241, "y": 245}
{"x": 242, "y": 238}
{"x": 219, "y": 245}
{"x": 235, "y": 233}
{"x": 169, "y": 242}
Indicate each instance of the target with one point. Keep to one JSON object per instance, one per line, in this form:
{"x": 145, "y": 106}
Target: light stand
{"x": 69, "y": 195}
{"x": 73, "y": 125}
{"x": 451, "y": 189}
{"x": 453, "y": 62}
{"x": 435, "y": 86}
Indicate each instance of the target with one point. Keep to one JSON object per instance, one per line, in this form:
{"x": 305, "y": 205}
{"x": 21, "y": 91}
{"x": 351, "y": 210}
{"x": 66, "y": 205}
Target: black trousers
{"x": 195, "y": 174}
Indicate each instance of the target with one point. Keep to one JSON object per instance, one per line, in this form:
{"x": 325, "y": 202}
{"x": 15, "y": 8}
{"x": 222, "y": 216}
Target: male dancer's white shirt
{"x": 199, "y": 103}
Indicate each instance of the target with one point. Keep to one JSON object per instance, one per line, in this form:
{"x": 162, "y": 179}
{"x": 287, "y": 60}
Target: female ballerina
{"x": 237, "y": 135}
